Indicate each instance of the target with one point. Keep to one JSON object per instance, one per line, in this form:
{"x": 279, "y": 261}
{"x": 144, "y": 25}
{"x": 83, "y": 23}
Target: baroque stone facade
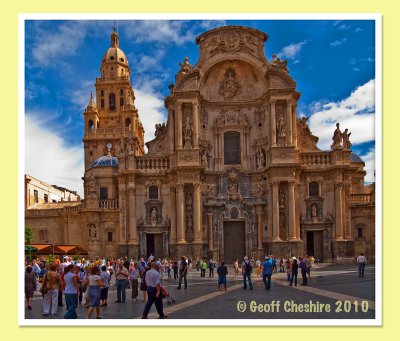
{"x": 233, "y": 171}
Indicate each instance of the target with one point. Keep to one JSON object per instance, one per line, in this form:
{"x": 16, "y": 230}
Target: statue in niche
{"x": 233, "y": 186}
{"x": 187, "y": 131}
{"x": 229, "y": 87}
{"x": 131, "y": 146}
{"x": 346, "y": 139}
{"x": 314, "y": 213}
{"x": 259, "y": 191}
{"x": 189, "y": 201}
{"x": 204, "y": 160}
{"x": 154, "y": 217}
{"x": 92, "y": 231}
{"x": 122, "y": 146}
{"x": 280, "y": 126}
{"x": 260, "y": 159}
{"x": 92, "y": 184}
{"x": 211, "y": 191}
{"x": 281, "y": 198}
{"x": 337, "y": 138}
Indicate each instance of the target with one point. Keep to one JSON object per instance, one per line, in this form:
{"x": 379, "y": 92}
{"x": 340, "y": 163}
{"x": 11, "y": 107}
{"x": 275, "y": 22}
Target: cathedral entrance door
{"x": 315, "y": 244}
{"x": 234, "y": 241}
{"x": 154, "y": 245}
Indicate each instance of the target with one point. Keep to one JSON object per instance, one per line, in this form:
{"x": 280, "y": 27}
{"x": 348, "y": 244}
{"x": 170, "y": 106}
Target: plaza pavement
{"x": 329, "y": 285}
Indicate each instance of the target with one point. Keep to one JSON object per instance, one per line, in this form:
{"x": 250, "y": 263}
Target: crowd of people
{"x": 86, "y": 282}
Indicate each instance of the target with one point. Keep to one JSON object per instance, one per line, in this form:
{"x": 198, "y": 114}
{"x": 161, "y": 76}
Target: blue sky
{"x": 332, "y": 61}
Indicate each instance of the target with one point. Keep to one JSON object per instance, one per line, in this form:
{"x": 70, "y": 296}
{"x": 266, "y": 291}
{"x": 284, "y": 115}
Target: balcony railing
{"x": 315, "y": 159}
{"x": 361, "y": 199}
{"x": 110, "y": 204}
{"x": 152, "y": 163}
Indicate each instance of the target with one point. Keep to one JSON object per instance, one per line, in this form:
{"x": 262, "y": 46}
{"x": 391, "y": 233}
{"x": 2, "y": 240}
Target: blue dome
{"x": 355, "y": 158}
{"x": 105, "y": 161}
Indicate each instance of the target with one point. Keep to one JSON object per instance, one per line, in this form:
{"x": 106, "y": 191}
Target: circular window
{"x": 112, "y": 57}
{"x": 122, "y": 59}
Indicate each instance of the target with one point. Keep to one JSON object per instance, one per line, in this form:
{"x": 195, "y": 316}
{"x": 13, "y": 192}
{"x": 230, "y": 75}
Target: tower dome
{"x": 114, "y": 62}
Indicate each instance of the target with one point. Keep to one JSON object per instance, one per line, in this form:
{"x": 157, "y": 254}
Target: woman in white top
{"x": 95, "y": 285}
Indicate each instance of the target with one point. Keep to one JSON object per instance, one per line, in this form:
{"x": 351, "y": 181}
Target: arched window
{"x": 128, "y": 123}
{"x": 121, "y": 91}
{"x": 121, "y": 101}
{"x": 153, "y": 192}
{"x": 102, "y": 102}
{"x": 90, "y": 125}
{"x": 111, "y": 102}
{"x": 232, "y": 148}
{"x": 102, "y": 93}
{"x": 313, "y": 189}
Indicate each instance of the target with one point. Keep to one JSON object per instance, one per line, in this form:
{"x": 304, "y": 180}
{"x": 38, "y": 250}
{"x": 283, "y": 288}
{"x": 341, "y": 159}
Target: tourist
{"x": 110, "y": 269}
{"x": 80, "y": 277}
{"x": 267, "y": 272}
{"x": 288, "y": 268}
{"x": 211, "y": 266}
{"x": 222, "y": 271}
{"x": 203, "y": 268}
{"x": 154, "y": 292}
{"x": 35, "y": 268}
{"x": 295, "y": 268}
{"x": 143, "y": 285}
{"x": 51, "y": 283}
{"x": 95, "y": 285}
{"x": 71, "y": 292}
{"x": 236, "y": 267}
{"x": 274, "y": 264}
{"x": 258, "y": 268}
{"x": 247, "y": 269}
{"x": 134, "y": 279}
{"x": 281, "y": 265}
{"x": 30, "y": 285}
{"x": 303, "y": 267}
{"x": 170, "y": 265}
{"x": 308, "y": 266}
{"x": 183, "y": 269}
{"x": 106, "y": 278}
{"x": 121, "y": 275}
{"x": 85, "y": 285}
{"x": 197, "y": 264}
{"x": 361, "y": 261}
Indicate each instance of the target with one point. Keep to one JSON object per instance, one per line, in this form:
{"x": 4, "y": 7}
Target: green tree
{"x": 28, "y": 235}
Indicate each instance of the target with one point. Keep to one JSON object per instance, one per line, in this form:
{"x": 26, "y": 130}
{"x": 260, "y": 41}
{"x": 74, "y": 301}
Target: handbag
{"x": 44, "y": 289}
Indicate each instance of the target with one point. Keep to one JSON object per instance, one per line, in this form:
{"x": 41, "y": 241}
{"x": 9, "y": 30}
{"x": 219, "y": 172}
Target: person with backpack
{"x": 267, "y": 272}
{"x": 247, "y": 269}
{"x": 203, "y": 268}
{"x": 222, "y": 271}
{"x": 295, "y": 268}
{"x": 211, "y": 266}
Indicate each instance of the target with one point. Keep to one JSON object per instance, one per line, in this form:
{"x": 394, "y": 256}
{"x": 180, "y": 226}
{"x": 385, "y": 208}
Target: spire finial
{"x": 114, "y": 35}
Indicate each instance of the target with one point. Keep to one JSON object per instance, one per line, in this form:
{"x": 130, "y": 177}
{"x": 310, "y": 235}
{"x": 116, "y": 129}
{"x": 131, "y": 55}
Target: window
{"x": 121, "y": 101}
{"x": 35, "y": 196}
{"x": 43, "y": 235}
{"x": 46, "y": 198}
{"x": 102, "y": 93}
{"x": 121, "y": 91}
{"x": 153, "y": 192}
{"x": 111, "y": 101}
{"x": 103, "y": 193}
{"x": 102, "y": 102}
{"x": 91, "y": 125}
{"x": 109, "y": 236}
{"x": 128, "y": 123}
{"x": 313, "y": 189}
{"x": 360, "y": 232}
{"x": 231, "y": 148}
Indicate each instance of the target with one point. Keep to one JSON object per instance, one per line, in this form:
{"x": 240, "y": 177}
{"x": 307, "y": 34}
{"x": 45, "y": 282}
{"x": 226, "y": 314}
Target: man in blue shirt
{"x": 267, "y": 272}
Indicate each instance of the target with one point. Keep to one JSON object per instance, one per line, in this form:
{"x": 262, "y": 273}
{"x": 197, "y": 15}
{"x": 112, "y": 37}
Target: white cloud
{"x": 369, "y": 159}
{"x": 291, "y": 51}
{"x": 80, "y": 96}
{"x": 49, "y": 159}
{"x": 338, "y": 43}
{"x": 356, "y": 112}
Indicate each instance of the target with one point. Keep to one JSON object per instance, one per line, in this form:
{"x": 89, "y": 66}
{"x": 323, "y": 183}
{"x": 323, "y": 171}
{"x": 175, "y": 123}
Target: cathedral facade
{"x": 232, "y": 172}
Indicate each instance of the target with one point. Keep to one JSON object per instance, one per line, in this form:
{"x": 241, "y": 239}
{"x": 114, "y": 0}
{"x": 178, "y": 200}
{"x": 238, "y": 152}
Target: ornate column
{"x": 172, "y": 209}
{"x": 180, "y": 210}
{"x": 259, "y": 227}
{"x": 196, "y": 120}
{"x": 178, "y": 127}
{"x": 339, "y": 211}
{"x": 290, "y": 123}
{"x": 210, "y": 232}
{"x": 292, "y": 212}
{"x": 273, "y": 123}
{"x": 275, "y": 212}
{"x": 171, "y": 123}
{"x": 294, "y": 126}
{"x": 198, "y": 238}
{"x": 132, "y": 214}
{"x": 122, "y": 214}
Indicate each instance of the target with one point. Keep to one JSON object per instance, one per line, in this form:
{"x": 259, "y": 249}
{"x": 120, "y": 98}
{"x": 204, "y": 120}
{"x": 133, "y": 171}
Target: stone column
{"x": 259, "y": 227}
{"x": 172, "y": 209}
{"x": 178, "y": 126}
{"x": 198, "y": 238}
{"x": 294, "y": 120}
{"x": 292, "y": 212}
{"x": 273, "y": 123}
{"x": 132, "y": 215}
{"x": 275, "y": 212}
{"x": 171, "y": 123}
{"x": 196, "y": 120}
{"x": 210, "y": 232}
{"x": 289, "y": 134}
{"x": 180, "y": 210}
{"x": 339, "y": 211}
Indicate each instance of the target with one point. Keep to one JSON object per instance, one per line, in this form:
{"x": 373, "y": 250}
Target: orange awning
{"x": 43, "y": 249}
{"x": 69, "y": 250}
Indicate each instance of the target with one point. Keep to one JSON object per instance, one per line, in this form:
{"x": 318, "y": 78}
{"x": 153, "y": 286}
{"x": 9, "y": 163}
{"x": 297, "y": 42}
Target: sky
{"x": 332, "y": 62}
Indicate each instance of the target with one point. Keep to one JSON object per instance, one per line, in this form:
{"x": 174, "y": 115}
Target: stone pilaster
{"x": 339, "y": 211}
{"x": 292, "y": 212}
{"x": 290, "y": 123}
{"x": 132, "y": 215}
{"x": 275, "y": 212}
{"x": 178, "y": 127}
{"x": 180, "y": 210}
{"x": 259, "y": 228}
{"x": 210, "y": 231}
{"x": 197, "y": 215}
{"x": 273, "y": 123}
{"x": 196, "y": 120}
{"x": 172, "y": 204}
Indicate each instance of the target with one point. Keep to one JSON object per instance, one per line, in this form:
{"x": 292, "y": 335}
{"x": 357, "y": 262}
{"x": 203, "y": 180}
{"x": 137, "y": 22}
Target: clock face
{"x": 109, "y": 145}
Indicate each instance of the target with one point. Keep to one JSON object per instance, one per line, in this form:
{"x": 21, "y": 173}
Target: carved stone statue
{"x": 188, "y": 132}
{"x": 280, "y": 126}
{"x": 337, "y": 138}
{"x": 185, "y": 67}
{"x": 153, "y": 217}
{"x": 281, "y": 198}
{"x": 233, "y": 186}
{"x": 204, "y": 160}
{"x": 229, "y": 87}
{"x": 260, "y": 159}
{"x": 259, "y": 191}
{"x": 314, "y": 213}
{"x": 92, "y": 231}
{"x": 122, "y": 146}
{"x": 346, "y": 139}
{"x": 92, "y": 184}
{"x": 211, "y": 192}
{"x": 189, "y": 200}
{"x": 131, "y": 146}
